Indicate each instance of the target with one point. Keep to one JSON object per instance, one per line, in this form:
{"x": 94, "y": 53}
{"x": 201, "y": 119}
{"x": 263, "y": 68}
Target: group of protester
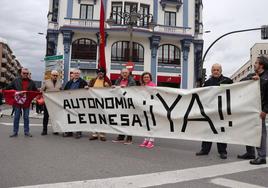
{"x": 24, "y": 83}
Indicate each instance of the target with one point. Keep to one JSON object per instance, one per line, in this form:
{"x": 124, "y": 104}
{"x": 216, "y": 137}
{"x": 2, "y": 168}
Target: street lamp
{"x": 132, "y": 19}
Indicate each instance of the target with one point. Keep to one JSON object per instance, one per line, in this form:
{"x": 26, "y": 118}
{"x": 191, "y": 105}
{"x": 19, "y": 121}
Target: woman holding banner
{"x": 146, "y": 80}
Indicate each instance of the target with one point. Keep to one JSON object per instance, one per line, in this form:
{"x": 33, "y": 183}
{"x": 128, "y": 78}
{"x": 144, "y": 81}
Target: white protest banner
{"x": 227, "y": 113}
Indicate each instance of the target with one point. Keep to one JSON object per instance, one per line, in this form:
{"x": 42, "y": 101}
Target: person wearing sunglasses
{"x": 22, "y": 83}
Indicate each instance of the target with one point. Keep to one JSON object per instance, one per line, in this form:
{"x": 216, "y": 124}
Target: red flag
{"x": 102, "y": 61}
{"x": 20, "y": 98}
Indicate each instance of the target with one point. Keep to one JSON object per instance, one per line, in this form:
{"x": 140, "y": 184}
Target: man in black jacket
{"x": 261, "y": 69}
{"x": 75, "y": 83}
{"x": 22, "y": 83}
{"x": 216, "y": 79}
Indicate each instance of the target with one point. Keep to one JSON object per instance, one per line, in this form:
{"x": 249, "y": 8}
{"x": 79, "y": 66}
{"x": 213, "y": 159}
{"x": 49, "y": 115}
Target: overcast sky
{"x": 21, "y": 20}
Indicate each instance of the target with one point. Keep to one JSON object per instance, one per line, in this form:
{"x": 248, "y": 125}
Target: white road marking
{"x": 233, "y": 184}
{"x": 21, "y": 124}
{"x": 160, "y": 178}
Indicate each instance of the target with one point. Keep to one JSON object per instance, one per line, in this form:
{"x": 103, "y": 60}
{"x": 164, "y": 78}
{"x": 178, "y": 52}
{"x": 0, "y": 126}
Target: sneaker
{"x": 67, "y": 134}
{"x": 127, "y": 142}
{"x": 13, "y": 135}
{"x": 118, "y": 140}
{"x": 150, "y": 145}
{"x": 93, "y": 138}
{"x": 144, "y": 143}
{"x": 1, "y": 114}
{"x": 44, "y": 133}
{"x": 102, "y": 139}
{"x": 28, "y": 135}
{"x": 78, "y": 135}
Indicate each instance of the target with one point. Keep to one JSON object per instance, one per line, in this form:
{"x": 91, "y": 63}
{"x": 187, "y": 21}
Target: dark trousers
{"x": 122, "y": 137}
{"x": 45, "y": 119}
{"x": 206, "y": 146}
{"x": 262, "y": 149}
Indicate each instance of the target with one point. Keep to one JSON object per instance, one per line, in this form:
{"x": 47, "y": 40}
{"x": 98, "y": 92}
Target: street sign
{"x": 53, "y": 58}
{"x": 130, "y": 66}
{"x": 53, "y": 63}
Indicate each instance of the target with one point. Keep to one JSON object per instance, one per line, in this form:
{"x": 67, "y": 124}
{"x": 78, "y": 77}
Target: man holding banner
{"x": 216, "y": 79}
{"x": 21, "y": 99}
{"x": 261, "y": 69}
{"x": 53, "y": 84}
{"x": 75, "y": 83}
{"x": 125, "y": 80}
{"x": 99, "y": 82}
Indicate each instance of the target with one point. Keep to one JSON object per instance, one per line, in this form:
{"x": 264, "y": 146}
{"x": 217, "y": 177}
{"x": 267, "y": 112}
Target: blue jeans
{"x": 16, "y": 122}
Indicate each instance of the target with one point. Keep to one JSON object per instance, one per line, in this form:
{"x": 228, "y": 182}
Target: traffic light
{"x": 264, "y": 32}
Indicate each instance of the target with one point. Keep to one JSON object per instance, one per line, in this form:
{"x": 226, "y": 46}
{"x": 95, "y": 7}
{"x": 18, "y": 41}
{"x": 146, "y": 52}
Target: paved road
{"x": 80, "y": 163}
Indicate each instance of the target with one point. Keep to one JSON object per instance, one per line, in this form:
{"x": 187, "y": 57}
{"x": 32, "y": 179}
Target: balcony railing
{"x": 4, "y": 60}
{"x": 83, "y": 64}
{"x": 171, "y": 29}
{"x": 82, "y": 22}
{"x": 3, "y": 69}
{"x": 53, "y": 25}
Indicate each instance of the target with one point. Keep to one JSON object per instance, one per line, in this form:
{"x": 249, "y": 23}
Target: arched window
{"x": 120, "y": 52}
{"x": 169, "y": 54}
{"x": 84, "y": 49}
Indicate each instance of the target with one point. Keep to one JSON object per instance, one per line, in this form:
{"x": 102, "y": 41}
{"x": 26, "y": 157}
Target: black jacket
{"x": 264, "y": 88}
{"x": 82, "y": 84}
{"x": 17, "y": 85}
{"x": 264, "y": 91}
{"x": 218, "y": 81}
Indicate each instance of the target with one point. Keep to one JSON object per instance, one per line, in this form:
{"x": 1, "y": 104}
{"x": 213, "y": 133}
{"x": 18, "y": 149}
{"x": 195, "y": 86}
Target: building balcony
{"x": 119, "y": 65}
{"x": 169, "y": 68}
{"x": 3, "y": 79}
{"x": 171, "y": 29}
{"x": 84, "y": 23}
{"x": 5, "y": 51}
{"x": 3, "y": 69}
{"x": 4, "y": 60}
{"x": 9, "y": 57}
{"x": 176, "y": 3}
{"x": 83, "y": 64}
{"x": 53, "y": 25}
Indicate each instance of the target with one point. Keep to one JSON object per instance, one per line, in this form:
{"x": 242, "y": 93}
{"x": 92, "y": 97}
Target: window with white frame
{"x": 169, "y": 54}
{"x": 86, "y": 12}
{"x": 170, "y": 18}
{"x": 144, "y": 10}
{"x": 117, "y": 10}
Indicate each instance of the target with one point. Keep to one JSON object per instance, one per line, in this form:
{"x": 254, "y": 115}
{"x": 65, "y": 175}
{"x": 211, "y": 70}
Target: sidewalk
{"x": 7, "y": 112}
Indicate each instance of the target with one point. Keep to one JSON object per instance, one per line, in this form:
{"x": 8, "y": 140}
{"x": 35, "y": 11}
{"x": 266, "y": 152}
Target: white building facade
{"x": 257, "y": 50}
{"x": 171, "y": 51}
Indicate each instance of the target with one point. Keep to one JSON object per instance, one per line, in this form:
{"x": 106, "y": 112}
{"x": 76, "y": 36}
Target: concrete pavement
{"x": 53, "y": 159}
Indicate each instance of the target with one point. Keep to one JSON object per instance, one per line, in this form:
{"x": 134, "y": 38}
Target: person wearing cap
{"x": 53, "y": 84}
{"x": 100, "y": 81}
{"x": 261, "y": 70}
